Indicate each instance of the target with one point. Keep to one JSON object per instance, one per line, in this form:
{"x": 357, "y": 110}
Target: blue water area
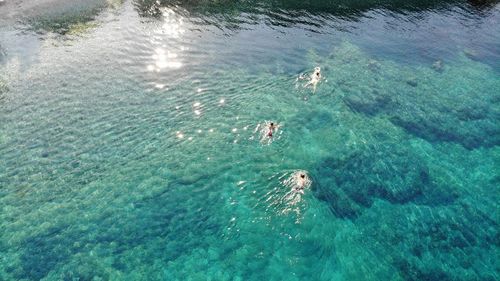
{"x": 134, "y": 140}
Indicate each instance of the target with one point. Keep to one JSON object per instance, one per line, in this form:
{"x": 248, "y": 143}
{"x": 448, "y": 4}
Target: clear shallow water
{"x": 128, "y": 144}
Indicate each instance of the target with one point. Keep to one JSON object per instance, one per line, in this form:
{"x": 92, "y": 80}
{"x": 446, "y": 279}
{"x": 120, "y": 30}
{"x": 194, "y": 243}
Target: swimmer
{"x": 271, "y": 129}
{"x": 301, "y": 182}
{"x": 317, "y": 73}
{"x": 267, "y": 132}
{"x": 315, "y": 78}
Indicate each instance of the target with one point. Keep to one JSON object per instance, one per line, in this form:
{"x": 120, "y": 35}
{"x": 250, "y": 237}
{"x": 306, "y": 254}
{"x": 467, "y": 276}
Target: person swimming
{"x": 317, "y": 72}
{"x": 271, "y": 129}
{"x": 301, "y": 182}
{"x": 267, "y": 132}
{"x": 314, "y": 78}
{"x": 297, "y": 182}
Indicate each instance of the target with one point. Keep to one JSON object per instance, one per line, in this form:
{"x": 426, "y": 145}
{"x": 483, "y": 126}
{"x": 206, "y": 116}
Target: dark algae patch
{"x": 65, "y": 17}
{"x": 389, "y": 172}
{"x": 427, "y": 228}
{"x": 63, "y": 250}
{"x": 434, "y": 110}
{"x": 368, "y": 101}
{"x": 454, "y": 242}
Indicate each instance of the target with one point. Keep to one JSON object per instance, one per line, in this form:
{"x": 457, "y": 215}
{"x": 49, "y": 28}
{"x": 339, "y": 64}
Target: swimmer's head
{"x": 302, "y": 176}
{"x": 272, "y": 124}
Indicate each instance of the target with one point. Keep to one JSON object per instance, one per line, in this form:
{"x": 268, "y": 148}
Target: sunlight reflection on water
{"x": 172, "y": 28}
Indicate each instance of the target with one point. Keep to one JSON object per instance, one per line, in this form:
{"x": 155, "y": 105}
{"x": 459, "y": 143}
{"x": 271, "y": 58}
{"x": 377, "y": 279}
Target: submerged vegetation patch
{"x": 430, "y": 107}
{"x": 387, "y": 171}
{"x": 63, "y": 24}
{"x": 70, "y": 18}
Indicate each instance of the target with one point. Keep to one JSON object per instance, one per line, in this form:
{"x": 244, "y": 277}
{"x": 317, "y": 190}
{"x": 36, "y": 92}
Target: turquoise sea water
{"x": 130, "y": 143}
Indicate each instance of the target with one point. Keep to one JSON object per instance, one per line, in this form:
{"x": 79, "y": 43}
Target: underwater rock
{"x": 471, "y": 134}
{"x": 341, "y": 205}
{"x": 441, "y": 239}
{"x": 471, "y": 112}
{"x": 472, "y": 122}
{"x": 412, "y": 82}
{"x": 61, "y": 17}
{"x": 84, "y": 267}
{"x": 374, "y": 65}
{"x": 471, "y": 54}
{"x": 49, "y": 251}
{"x": 412, "y": 272}
{"x": 44, "y": 252}
{"x": 438, "y": 66}
{"x": 390, "y": 172}
{"x": 317, "y": 119}
{"x": 368, "y": 102}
